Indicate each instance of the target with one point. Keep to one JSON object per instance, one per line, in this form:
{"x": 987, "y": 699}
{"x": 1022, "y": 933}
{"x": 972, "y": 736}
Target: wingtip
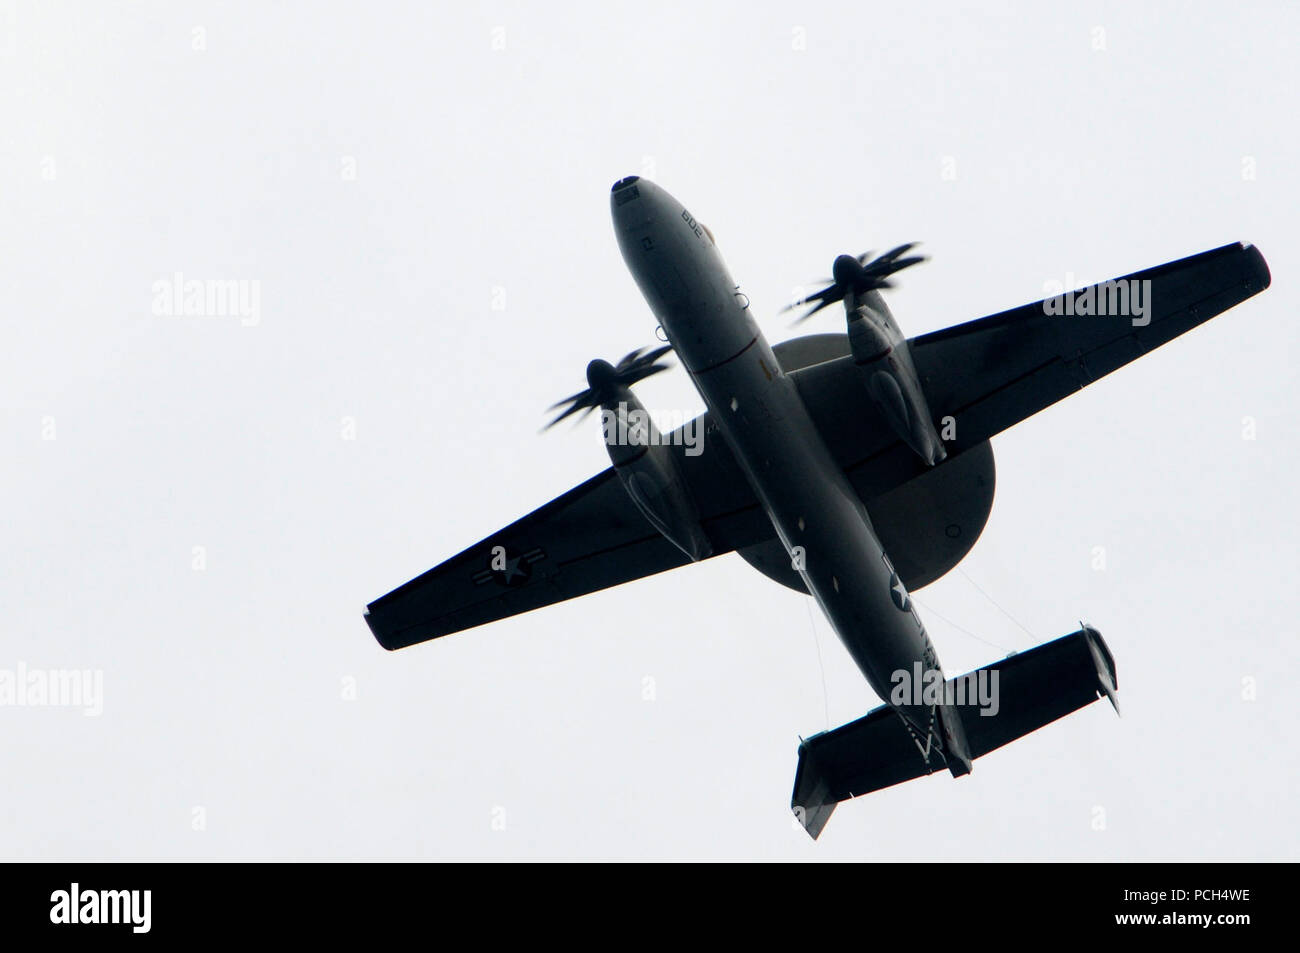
{"x": 380, "y": 636}
{"x": 1262, "y": 276}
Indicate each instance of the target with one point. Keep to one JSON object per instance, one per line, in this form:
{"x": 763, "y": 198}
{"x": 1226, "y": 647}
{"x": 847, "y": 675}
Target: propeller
{"x": 858, "y": 275}
{"x": 604, "y": 378}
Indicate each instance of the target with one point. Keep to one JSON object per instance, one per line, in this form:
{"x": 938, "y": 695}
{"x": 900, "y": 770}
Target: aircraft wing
{"x": 994, "y": 372}
{"x": 987, "y": 374}
{"x": 590, "y": 538}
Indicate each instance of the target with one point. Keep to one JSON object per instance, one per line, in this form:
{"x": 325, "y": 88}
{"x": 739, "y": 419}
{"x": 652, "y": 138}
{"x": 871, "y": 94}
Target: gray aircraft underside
{"x": 854, "y": 467}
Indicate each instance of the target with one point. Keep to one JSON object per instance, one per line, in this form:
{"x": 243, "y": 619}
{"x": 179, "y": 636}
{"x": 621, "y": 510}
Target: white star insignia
{"x": 899, "y": 591}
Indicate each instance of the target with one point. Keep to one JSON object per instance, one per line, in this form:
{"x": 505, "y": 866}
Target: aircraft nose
{"x": 632, "y": 201}
{"x": 625, "y": 196}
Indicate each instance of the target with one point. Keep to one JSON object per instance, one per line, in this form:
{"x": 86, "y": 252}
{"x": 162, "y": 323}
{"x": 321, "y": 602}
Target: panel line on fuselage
{"x": 725, "y": 361}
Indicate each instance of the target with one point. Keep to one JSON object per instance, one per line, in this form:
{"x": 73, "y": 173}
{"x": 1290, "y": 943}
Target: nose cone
{"x": 632, "y": 202}
{"x": 624, "y": 193}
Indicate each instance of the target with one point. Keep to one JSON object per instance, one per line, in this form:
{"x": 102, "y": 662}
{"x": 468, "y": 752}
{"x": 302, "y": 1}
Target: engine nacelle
{"x": 884, "y": 360}
{"x": 647, "y": 467}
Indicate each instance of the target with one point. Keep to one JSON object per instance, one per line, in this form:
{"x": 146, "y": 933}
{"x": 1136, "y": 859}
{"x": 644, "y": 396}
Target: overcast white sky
{"x": 381, "y": 172}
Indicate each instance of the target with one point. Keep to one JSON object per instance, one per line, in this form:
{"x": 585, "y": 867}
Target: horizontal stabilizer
{"x": 1039, "y": 686}
{"x": 1029, "y": 690}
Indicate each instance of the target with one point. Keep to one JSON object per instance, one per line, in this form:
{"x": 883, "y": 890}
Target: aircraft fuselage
{"x": 817, "y": 515}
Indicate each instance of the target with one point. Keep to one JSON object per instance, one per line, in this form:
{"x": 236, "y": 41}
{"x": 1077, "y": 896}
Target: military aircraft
{"x": 852, "y": 467}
